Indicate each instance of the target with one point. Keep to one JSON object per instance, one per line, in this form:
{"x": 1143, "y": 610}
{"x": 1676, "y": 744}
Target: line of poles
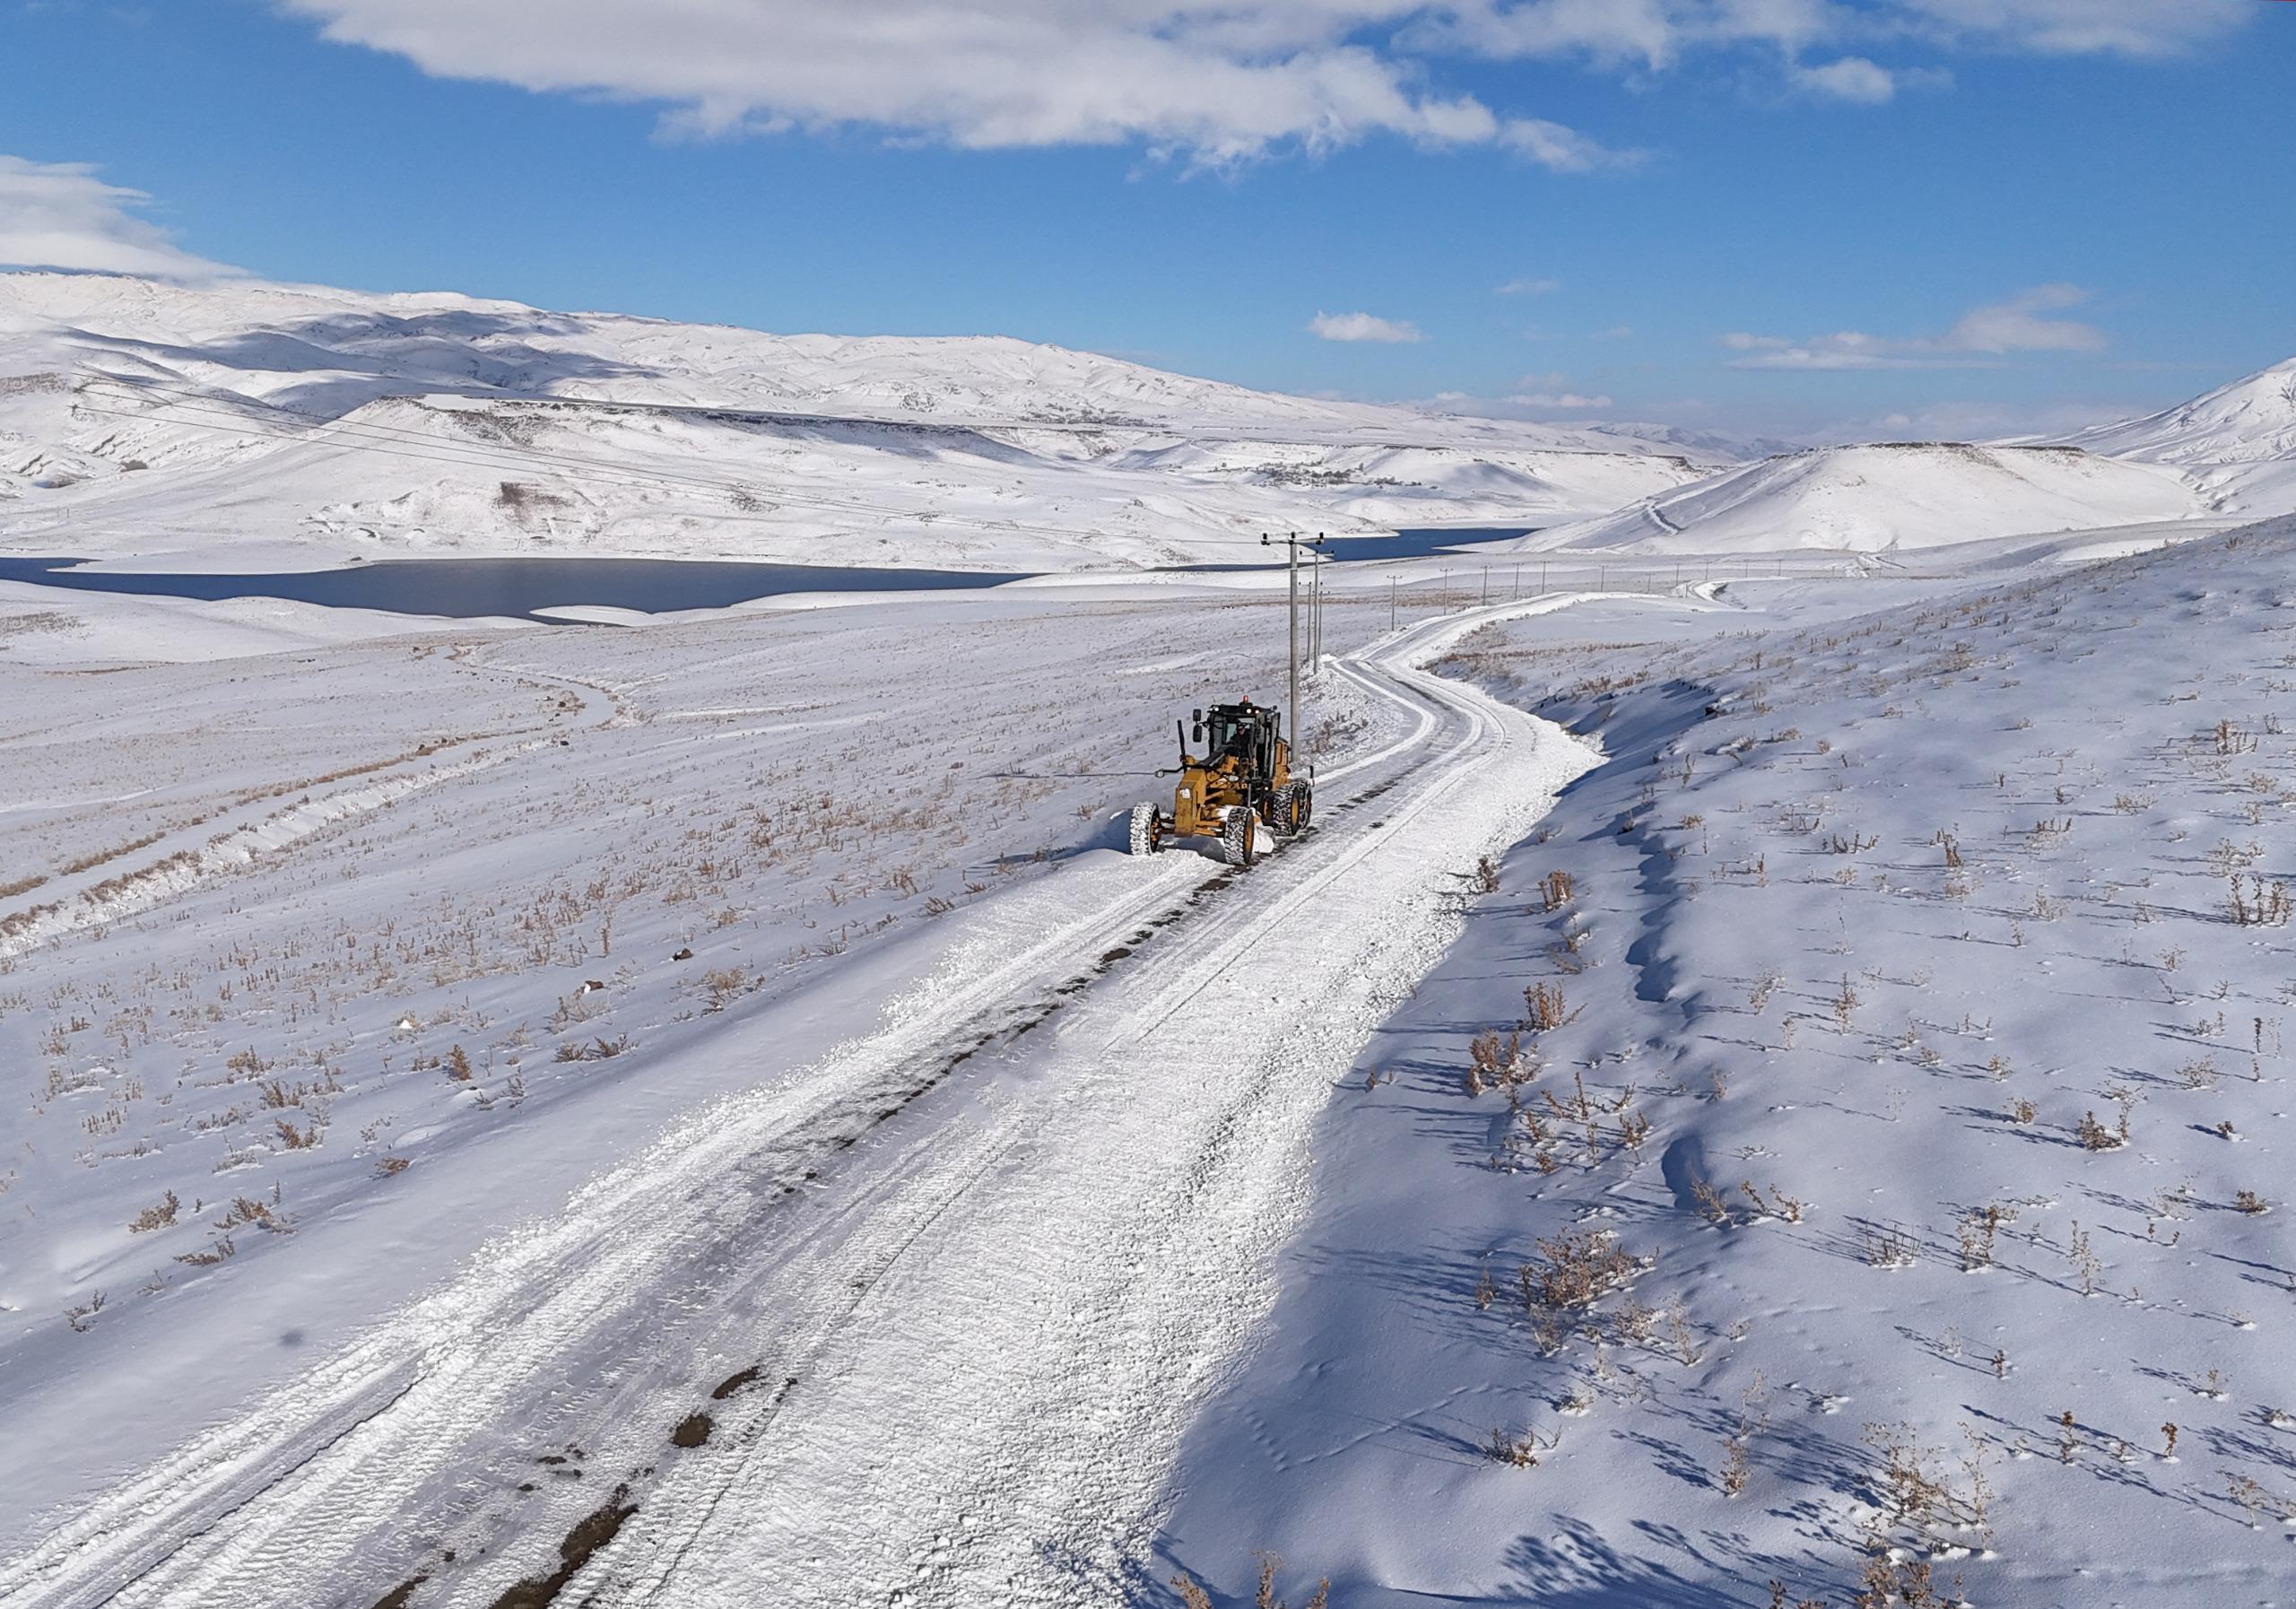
{"x": 1309, "y": 663}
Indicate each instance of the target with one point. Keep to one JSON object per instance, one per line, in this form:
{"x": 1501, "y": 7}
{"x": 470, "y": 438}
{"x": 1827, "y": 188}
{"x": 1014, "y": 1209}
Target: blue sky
{"x": 1816, "y": 216}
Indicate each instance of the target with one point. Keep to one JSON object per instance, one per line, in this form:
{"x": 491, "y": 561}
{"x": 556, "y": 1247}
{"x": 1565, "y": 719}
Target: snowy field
{"x": 488, "y": 1081}
{"x": 308, "y": 1029}
{"x": 1761, "y": 1089}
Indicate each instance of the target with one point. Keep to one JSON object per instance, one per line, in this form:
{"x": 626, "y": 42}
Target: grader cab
{"x": 1241, "y": 782}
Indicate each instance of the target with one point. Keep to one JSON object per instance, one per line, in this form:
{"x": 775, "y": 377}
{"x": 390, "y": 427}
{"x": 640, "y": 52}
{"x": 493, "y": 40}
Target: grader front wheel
{"x": 1147, "y": 830}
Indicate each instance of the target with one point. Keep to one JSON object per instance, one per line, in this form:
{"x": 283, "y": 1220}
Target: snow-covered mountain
{"x": 2238, "y": 442}
{"x": 2231, "y": 452}
{"x": 1905, "y": 495}
{"x": 135, "y": 413}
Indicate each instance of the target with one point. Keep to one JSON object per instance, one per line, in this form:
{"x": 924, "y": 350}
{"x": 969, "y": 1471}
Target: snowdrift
{"x": 1900, "y": 495}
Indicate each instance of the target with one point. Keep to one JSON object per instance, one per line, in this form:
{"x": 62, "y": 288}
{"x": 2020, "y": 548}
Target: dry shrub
{"x": 1979, "y": 1227}
{"x": 1886, "y": 1245}
{"x": 162, "y": 1216}
{"x": 1497, "y": 1064}
{"x": 1548, "y": 1010}
{"x": 1894, "y": 1583}
{"x": 1194, "y": 1597}
{"x": 246, "y": 1209}
{"x": 299, "y": 1139}
{"x": 1517, "y": 1452}
{"x": 1578, "y": 1268}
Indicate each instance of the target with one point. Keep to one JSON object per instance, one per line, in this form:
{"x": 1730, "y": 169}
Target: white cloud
{"x": 1213, "y": 81}
{"x": 1566, "y": 401}
{"x": 1980, "y": 422}
{"x": 61, "y": 215}
{"x": 1216, "y": 82}
{"x": 2138, "y": 28}
{"x": 1362, "y": 327}
{"x": 1979, "y": 340}
{"x": 1852, "y": 78}
{"x": 1564, "y": 149}
{"x": 1656, "y": 35}
{"x": 1530, "y": 287}
{"x": 2017, "y": 325}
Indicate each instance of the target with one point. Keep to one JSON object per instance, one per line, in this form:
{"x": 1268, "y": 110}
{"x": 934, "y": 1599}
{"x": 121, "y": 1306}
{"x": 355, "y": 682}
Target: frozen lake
{"x": 520, "y": 587}
{"x": 462, "y": 588}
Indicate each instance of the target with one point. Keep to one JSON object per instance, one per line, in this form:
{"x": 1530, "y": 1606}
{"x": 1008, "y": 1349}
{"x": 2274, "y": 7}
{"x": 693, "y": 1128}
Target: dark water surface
{"x": 1418, "y": 544}
{"x": 461, "y": 588}
{"x": 516, "y": 587}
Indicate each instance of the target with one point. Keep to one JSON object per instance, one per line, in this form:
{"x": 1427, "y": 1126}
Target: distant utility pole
{"x": 1486, "y": 584}
{"x": 1315, "y": 611}
{"x": 1293, "y": 541}
{"x": 1391, "y": 602}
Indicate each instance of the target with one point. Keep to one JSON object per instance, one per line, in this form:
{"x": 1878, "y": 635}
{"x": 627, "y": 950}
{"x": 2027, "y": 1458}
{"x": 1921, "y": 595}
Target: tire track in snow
{"x": 191, "y": 856}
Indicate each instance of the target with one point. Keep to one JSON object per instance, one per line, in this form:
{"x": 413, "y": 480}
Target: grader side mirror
{"x": 1199, "y": 731}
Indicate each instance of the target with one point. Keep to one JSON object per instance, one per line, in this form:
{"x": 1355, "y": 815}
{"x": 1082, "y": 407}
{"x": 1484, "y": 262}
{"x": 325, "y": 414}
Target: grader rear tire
{"x": 1239, "y": 836}
{"x": 1290, "y": 810}
{"x": 1147, "y": 830}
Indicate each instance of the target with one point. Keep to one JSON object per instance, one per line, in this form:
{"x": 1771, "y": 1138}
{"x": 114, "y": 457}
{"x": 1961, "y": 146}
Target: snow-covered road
{"x": 950, "y": 1363}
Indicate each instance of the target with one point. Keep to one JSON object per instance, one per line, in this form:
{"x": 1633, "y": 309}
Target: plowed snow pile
{"x": 1851, "y": 1149}
{"x": 1872, "y": 499}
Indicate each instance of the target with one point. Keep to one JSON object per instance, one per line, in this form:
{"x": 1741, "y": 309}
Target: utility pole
{"x": 1391, "y": 602}
{"x": 1315, "y": 611}
{"x": 1486, "y": 584}
{"x": 1292, "y": 543}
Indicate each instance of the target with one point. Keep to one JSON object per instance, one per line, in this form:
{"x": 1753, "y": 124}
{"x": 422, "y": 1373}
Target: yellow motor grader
{"x": 1243, "y": 782}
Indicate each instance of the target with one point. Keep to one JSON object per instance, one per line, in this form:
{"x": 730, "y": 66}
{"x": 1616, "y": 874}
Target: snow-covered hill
{"x": 136, "y": 414}
{"x": 2238, "y": 442}
{"x": 1848, "y": 1151}
{"x": 1894, "y": 495}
